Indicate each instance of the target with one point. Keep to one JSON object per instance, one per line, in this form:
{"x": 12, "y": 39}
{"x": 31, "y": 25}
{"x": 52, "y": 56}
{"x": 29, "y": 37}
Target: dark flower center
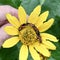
{"x": 31, "y": 33}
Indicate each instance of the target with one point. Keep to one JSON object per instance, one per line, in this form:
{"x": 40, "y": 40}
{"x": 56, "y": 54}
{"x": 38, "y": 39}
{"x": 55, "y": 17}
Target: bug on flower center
{"x": 29, "y": 33}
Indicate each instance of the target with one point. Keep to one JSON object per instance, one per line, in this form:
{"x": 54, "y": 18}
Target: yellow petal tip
{"x": 55, "y": 48}
{"x": 49, "y": 55}
{"x": 39, "y": 6}
{"x": 47, "y": 12}
{"x": 57, "y": 40}
{"x": 3, "y": 45}
{"x": 52, "y": 19}
{"x": 8, "y": 14}
{"x": 20, "y": 7}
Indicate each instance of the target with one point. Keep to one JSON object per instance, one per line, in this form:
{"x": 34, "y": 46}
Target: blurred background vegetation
{"x": 54, "y": 8}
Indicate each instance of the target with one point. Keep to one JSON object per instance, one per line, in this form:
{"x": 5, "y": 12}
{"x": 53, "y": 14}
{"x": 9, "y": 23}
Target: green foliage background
{"x": 53, "y": 6}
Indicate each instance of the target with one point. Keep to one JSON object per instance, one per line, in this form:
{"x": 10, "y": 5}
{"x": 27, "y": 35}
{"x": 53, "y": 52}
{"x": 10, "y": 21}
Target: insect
{"x": 34, "y": 27}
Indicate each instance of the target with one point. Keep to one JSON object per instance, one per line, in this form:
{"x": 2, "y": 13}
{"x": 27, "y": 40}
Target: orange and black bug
{"x": 34, "y": 27}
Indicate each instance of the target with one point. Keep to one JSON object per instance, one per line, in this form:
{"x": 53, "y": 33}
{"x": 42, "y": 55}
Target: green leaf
{"x": 14, "y": 3}
{"x": 29, "y": 5}
{"x": 42, "y": 2}
{"x": 53, "y": 6}
{"x": 51, "y": 58}
{"x": 9, "y": 54}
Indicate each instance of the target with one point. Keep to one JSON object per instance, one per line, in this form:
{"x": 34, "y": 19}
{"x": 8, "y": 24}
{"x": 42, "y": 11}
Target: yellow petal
{"x": 34, "y": 53}
{"x": 11, "y": 30}
{"x": 49, "y": 45}
{"x": 34, "y": 15}
{"x": 42, "y": 18}
{"x": 23, "y": 55}
{"x": 22, "y": 15}
{"x": 45, "y": 26}
{"x": 50, "y": 37}
{"x": 42, "y": 49}
{"x": 13, "y": 20}
{"x": 10, "y": 42}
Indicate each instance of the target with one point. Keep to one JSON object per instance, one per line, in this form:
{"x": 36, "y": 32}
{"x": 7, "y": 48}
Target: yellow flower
{"x": 30, "y": 32}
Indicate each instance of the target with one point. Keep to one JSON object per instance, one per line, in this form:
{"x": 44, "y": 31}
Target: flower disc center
{"x": 28, "y": 35}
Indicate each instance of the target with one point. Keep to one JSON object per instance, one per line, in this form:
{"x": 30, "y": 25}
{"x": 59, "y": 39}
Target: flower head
{"x": 30, "y": 32}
